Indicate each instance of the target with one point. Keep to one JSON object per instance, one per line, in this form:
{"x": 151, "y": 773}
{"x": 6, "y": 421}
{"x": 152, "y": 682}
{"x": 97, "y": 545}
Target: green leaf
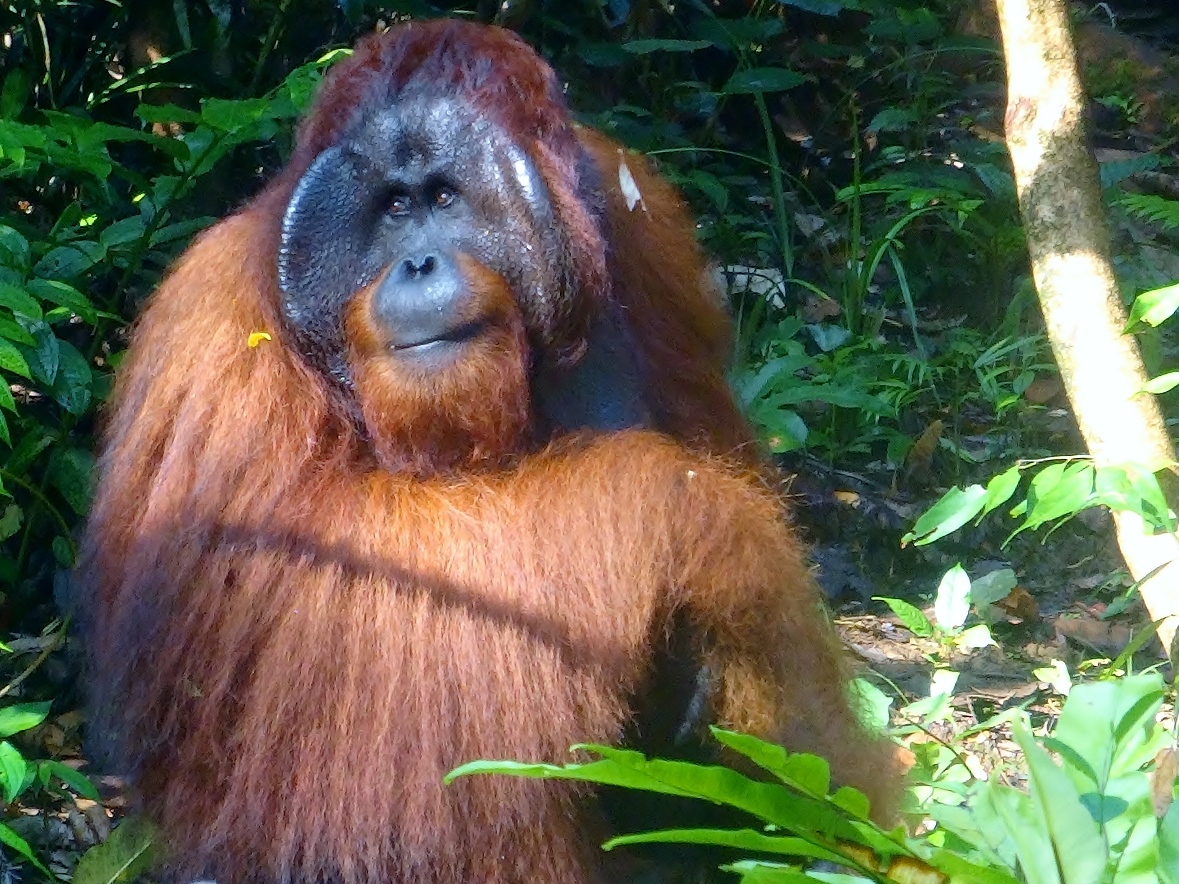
{"x": 301, "y": 83}
{"x": 975, "y": 637}
{"x": 233, "y": 115}
{"x": 1078, "y": 853}
{"x": 21, "y": 716}
{"x": 11, "y": 331}
{"x": 1107, "y": 729}
{"x": 1000, "y": 489}
{"x": 781, "y": 369}
{"x": 1169, "y": 845}
{"x": 853, "y": 801}
{"x": 63, "y": 551}
{"x": 13, "y": 771}
{"x": 992, "y": 587}
{"x": 12, "y": 360}
{"x": 63, "y": 262}
{"x": 952, "y": 602}
{"x": 644, "y": 47}
{"x": 19, "y": 301}
{"x": 910, "y": 615}
{"x": 754, "y": 871}
{"x": 76, "y": 780}
{"x": 963, "y": 872}
{"x": 14, "y": 94}
{"x": 1135, "y": 488}
{"x": 71, "y": 387}
{"x": 1162, "y": 383}
{"x": 740, "y": 839}
{"x": 956, "y": 507}
{"x": 14, "y": 841}
{"x": 809, "y": 774}
{"x": 1114, "y": 172}
{"x": 1154, "y": 306}
{"x": 735, "y": 33}
{"x": 711, "y": 186}
{"x": 129, "y": 852}
{"x": 44, "y": 357}
{"x": 1057, "y": 491}
{"x": 893, "y": 119}
{"x": 721, "y": 785}
{"x": 753, "y": 80}
{"x": 1027, "y": 829}
{"x": 71, "y": 471}
{"x": 980, "y": 824}
{"x": 166, "y": 113}
{"x": 57, "y": 292}
{"x": 786, "y": 431}
{"x": 10, "y": 522}
{"x": 31, "y": 444}
{"x": 123, "y": 232}
{"x": 14, "y": 249}
{"x": 870, "y": 704}
{"x": 599, "y": 54}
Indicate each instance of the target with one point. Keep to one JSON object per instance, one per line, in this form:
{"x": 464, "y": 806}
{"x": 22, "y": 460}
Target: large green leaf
{"x": 15, "y": 842}
{"x": 13, "y": 771}
{"x": 21, "y": 716}
{"x": 721, "y": 785}
{"x": 71, "y": 386}
{"x": 71, "y": 471}
{"x": 645, "y": 47}
{"x": 76, "y": 780}
{"x": 956, "y": 507}
{"x": 753, "y": 80}
{"x": 1169, "y": 846}
{"x": 809, "y": 774}
{"x": 742, "y": 839}
{"x": 1106, "y": 736}
{"x": 129, "y": 852}
{"x": 1078, "y": 852}
{"x": 1154, "y": 306}
{"x": 19, "y": 301}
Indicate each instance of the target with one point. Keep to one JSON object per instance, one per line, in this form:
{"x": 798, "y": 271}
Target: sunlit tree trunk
{"x": 1063, "y": 214}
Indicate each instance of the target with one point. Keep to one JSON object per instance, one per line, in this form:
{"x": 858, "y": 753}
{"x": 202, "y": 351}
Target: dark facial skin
{"x": 409, "y": 195}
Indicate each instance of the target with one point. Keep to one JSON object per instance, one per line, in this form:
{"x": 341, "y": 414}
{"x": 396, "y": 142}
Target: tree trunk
{"x": 1064, "y": 218}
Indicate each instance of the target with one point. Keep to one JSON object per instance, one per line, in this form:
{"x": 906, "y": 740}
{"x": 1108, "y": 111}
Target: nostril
{"x": 412, "y": 268}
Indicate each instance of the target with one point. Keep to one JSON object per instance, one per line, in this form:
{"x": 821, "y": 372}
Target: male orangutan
{"x": 460, "y": 504}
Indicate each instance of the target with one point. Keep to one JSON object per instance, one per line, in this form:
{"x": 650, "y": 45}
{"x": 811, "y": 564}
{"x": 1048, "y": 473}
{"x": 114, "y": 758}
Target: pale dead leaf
{"x": 630, "y": 187}
{"x": 1162, "y": 780}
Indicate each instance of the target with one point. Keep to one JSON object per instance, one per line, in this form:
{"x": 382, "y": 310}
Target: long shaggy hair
{"x": 303, "y": 613}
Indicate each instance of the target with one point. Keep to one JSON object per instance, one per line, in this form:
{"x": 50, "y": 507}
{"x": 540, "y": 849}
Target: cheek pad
{"x": 323, "y": 249}
{"x": 519, "y": 233}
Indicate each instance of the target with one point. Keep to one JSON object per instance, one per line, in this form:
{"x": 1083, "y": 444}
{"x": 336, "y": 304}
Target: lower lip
{"x": 430, "y": 354}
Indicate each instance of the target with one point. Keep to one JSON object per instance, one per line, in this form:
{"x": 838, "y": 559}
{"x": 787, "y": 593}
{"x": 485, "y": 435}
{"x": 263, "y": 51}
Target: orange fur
{"x": 681, "y": 323}
{"x": 303, "y": 614}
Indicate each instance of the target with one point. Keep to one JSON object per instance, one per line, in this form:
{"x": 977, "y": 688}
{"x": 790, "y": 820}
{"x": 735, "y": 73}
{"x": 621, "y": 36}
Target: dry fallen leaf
{"x": 1162, "y": 780}
{"x": 630, "y": 187}
{"x": 1018, "y": 605}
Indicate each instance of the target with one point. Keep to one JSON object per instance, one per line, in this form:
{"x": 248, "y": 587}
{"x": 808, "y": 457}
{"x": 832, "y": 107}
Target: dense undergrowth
{"x": 843, "y": 160}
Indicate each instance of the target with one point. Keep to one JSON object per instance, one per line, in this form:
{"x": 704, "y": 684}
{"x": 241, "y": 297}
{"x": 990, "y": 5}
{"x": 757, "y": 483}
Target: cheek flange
{"x": 323, "y": 258}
